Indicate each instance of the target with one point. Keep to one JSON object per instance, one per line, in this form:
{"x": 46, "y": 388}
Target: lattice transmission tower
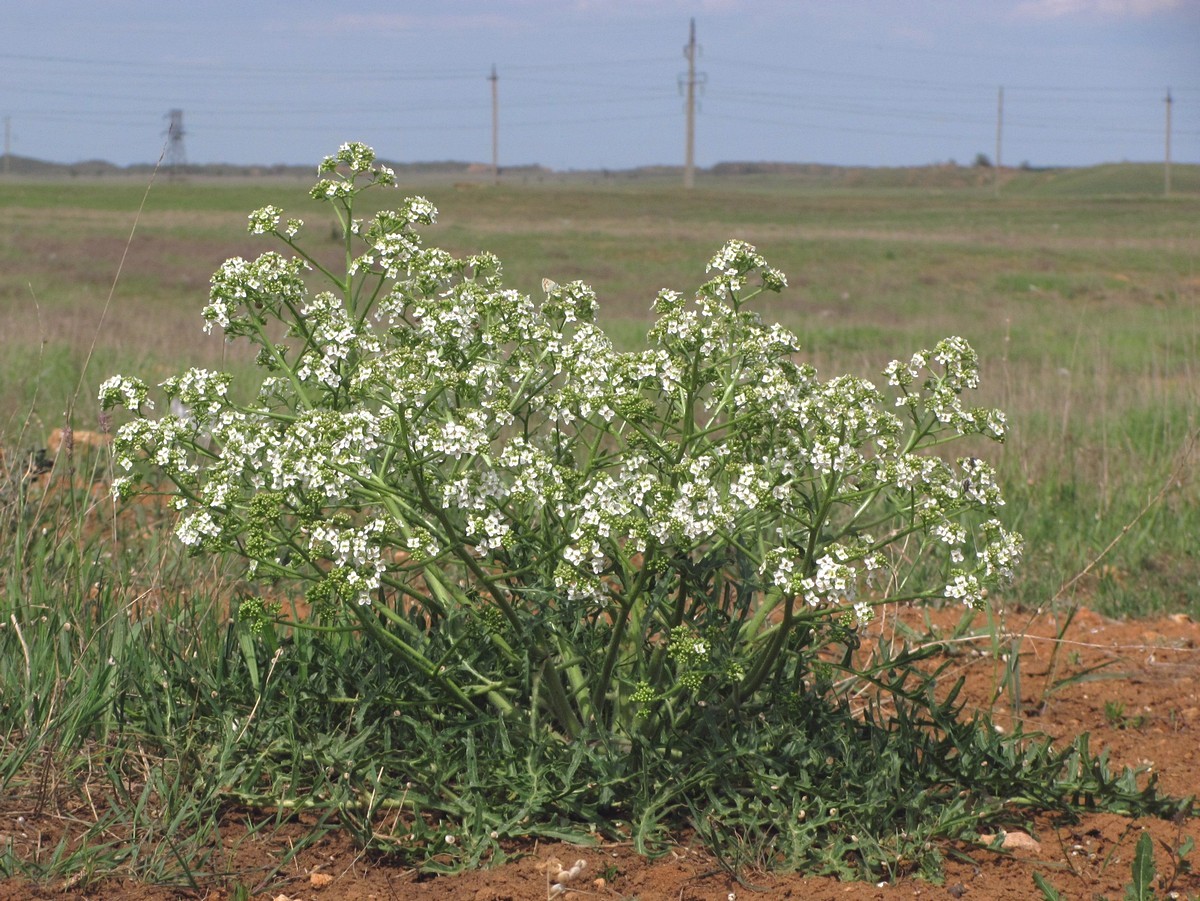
{"x": 175, "y": 157}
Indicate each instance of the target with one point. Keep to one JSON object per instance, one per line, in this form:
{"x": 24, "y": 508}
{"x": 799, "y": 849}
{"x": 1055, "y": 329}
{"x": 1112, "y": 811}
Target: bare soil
{"x": 1142, "y": 706}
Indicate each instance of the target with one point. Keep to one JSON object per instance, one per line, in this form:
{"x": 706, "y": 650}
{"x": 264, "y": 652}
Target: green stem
{"x": 559, "y": 702}
{"x": 312, "y": 261}
{"x": 386, "y": 639}
{"x": 766, "y": 662}
{"x": 267, "y": 344}
{"x": 614, "y": 645}
{"x": 660, "y": 653}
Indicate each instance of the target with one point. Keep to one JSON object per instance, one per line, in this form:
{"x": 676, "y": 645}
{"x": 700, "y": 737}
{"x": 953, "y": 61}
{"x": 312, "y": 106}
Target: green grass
{"x": 150, "y": 739}
{"x": 1113, "y": 179}
{"x": 1082, "y": 303}
{"x": 123, "y": 686}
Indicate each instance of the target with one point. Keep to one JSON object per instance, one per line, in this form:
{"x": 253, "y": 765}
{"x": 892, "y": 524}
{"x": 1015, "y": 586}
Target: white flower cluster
{"x": 265, "y": 221}
{"x": 245, "y": 294}
{"x": 835, "y": 580}
{"x": 736, "y": 260}
{"x": 425, "y": 409}
{"x": 331, "y": 336}
{"x": 123, "y": 391}
{"x": 951, "y": 368}
{"x": 203, "y": 393}
{"x": 356, "y": 550}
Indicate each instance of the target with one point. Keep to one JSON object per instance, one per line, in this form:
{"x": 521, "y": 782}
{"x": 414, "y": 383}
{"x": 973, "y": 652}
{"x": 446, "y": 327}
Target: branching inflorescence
{"x": 534, "y": 522}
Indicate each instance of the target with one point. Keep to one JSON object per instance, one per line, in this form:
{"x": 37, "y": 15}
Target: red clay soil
{"x": 1143, "y": 706}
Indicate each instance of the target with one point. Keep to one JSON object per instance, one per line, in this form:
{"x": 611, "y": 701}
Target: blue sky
{"x": 587, "y": 84}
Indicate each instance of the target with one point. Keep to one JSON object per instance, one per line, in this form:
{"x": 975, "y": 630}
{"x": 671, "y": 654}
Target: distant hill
{"x": 1107, "y": 179}
{"x": 942, "y": 175}
{"x": 28, "y": 167}
{"x": 1114, "y": 179}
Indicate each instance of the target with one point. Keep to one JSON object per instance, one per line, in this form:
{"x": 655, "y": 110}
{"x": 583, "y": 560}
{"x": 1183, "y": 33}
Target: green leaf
{"x": 246, "y": 643}
{"x": 1143, "y": 871}
{"x": 1049, "y": 892}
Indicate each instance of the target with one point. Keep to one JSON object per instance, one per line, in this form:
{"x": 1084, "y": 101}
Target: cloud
{"x": 1110, "y": 9}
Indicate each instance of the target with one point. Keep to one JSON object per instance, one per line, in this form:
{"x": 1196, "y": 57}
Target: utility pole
{"x": 495, "y": 80}
{"x": 999, "y": 140}
{"x": 1167, "y": 161}
{"x": 689, "y": 160}
{"x": 7, "y": 143}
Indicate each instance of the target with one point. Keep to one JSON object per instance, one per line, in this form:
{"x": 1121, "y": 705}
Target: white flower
{"x": 123, "y": 391}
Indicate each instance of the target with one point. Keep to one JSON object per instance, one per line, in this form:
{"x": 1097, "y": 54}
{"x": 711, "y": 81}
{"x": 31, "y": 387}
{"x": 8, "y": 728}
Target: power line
{"x": 347, "y": 73}
{"x": 864, "y": 103}
{"x": 223, "y": 68}
{"x": 891, "y": 79}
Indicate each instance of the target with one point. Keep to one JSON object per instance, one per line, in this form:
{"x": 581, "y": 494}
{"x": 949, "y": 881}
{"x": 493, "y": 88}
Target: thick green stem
{"x": 766, "y": 662}
{"x": 660, "y": 653}
{"x": 613, "y": 652}
{"x": 366, "y": 616}
{"x": 558, "y": 701}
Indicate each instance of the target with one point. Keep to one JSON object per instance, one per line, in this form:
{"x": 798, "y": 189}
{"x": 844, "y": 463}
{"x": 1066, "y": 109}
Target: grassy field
{"x": 1080, "y": 290}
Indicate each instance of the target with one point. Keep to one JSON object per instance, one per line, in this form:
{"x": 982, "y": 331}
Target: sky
{"x": 600, "y": 84}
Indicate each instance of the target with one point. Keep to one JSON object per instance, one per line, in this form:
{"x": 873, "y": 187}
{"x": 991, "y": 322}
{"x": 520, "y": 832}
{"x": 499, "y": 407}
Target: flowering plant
{"x": 533, "y": 522}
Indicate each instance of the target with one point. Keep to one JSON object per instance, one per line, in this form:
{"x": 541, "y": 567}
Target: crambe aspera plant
{"x": 537, "y": 526}
{"x": 552, "y": 588}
